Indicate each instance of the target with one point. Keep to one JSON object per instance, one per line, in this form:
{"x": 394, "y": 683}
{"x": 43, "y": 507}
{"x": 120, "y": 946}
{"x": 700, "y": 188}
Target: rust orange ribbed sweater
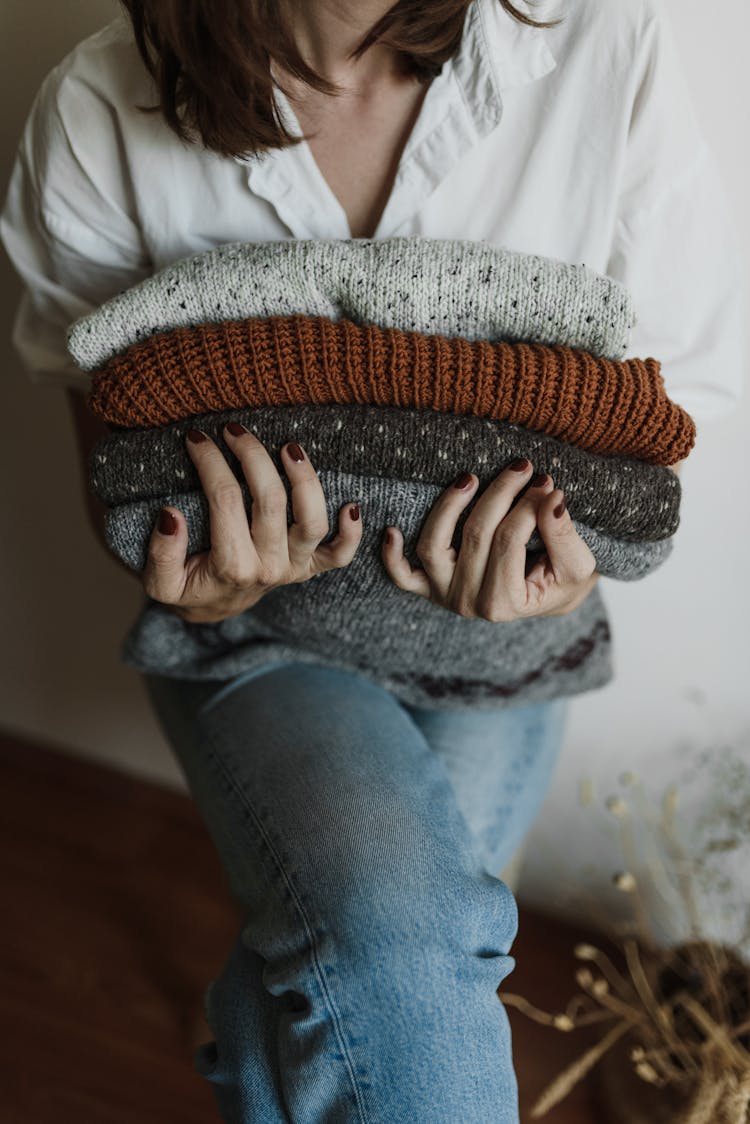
{"x": 603, "y": 405}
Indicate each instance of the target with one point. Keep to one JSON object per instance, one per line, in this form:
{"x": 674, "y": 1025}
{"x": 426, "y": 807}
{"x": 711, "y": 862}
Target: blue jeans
{"x": 363, "y": 840}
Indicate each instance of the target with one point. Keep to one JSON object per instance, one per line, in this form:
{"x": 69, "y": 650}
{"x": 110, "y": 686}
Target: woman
{"x": 364, "y": 837}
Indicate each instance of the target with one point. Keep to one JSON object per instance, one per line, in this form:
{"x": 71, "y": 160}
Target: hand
{"x": 487, "y": 577}
{"x": 245, "y": 562}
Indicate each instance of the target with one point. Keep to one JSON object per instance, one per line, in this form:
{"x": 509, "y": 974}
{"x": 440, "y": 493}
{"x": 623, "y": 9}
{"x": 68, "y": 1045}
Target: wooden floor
{"x": 116, "y": 915}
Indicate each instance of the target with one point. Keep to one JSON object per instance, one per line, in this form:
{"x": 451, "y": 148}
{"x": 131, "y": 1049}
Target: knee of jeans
{"x": 391, "y": 878}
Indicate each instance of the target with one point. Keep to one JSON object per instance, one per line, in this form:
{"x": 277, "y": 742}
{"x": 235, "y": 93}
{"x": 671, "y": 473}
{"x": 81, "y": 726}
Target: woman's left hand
{"x": 487, "y": 577}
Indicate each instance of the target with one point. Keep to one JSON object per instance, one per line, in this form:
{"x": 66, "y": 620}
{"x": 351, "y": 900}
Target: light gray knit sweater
{"x": 383, "y": 501}
{"x": 355, "y": 617}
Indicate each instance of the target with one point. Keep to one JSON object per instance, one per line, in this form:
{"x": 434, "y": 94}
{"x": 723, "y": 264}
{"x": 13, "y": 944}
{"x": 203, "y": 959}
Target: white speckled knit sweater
{"x": 445, "y": 287}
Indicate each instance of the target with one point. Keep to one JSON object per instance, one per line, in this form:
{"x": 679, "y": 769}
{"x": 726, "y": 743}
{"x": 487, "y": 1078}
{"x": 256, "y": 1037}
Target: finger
{"x": 487, "y": 537}
{"x": 266, "y": 540}
{"x": 341, "y": 549}
{"x": 571, "y": 559}
{"x": 164, "y": 574}
{"x": 232, "y": 556}
{"x": 506, "y": 577}
{"x": 398, "y": 566}
{"x": 310, "y": 518}
{"x": 434, "y": 545}
{"x": 485, "y": 523}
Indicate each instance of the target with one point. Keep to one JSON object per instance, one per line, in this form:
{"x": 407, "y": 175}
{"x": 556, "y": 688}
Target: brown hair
{"x": 211, "y": 61}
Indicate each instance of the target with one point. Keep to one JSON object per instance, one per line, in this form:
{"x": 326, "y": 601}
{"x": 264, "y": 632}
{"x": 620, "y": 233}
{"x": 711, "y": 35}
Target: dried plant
{"x": 675, "y": 1014}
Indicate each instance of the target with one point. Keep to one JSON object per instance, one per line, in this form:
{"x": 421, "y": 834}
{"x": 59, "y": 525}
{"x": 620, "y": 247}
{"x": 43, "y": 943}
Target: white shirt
{"x": 578, "y": 142}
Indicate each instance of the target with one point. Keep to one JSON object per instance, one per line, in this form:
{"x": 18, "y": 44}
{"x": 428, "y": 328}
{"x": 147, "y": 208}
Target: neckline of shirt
{"x": 462, "y": 105}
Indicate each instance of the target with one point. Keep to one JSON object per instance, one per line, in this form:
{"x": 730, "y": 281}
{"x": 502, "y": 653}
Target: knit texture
{"x": 532, "y": 660}
{"x": 356, "y": 617}
{"x": 451, "y": 287}
{"x": 620, "y": 496}
{"x": 598, "y": 404}
{"x": 383, "y": 501}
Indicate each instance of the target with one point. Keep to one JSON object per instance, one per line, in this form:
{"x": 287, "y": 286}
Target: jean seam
{"x": 238, "y": 681}
{"x": 318, "y": 967}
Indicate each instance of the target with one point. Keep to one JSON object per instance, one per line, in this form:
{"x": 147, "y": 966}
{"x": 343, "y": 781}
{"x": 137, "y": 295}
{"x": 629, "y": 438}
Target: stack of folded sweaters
{"x": 396, "y": 364}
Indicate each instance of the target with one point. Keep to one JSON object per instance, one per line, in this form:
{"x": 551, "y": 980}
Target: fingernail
{"x": 295, "y": 452}
{"x": 560, "y": 508}
{"x": 520, "y": 465}
{"x": 388, "y": 538}
{"x": 354, "y": 511}
{"x": 196, "y": 436}
{"x": 167, "y": 524}
{"x": 463, "y": 480}
{"x": 539, "y": 480}
{"x": 237, "y": 428}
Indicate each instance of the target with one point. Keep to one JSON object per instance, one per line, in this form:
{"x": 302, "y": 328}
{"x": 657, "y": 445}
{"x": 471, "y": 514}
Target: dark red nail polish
{"x": 520, "y": 465}
{"x": 388, "y": 538}
{"x": 167, "y": 524}
{"x": 354, "y": 511}
{"x": 462, "y": 481}
{"x": 237, "y": 428}
{"x": 196, "y": 436}
{"x": 560, "y": 508}
{"x": 539, "y": 480}
{"x": 295, "y": 452}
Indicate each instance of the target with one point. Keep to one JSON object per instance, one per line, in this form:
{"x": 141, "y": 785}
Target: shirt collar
{"x": 497, "y": 53}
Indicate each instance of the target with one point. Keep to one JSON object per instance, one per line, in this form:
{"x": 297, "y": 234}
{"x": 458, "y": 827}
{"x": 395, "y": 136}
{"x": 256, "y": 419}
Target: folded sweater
{"x": 619, "y": 496}
{"x": 424, "y": 654}
{"x": 128, "y": 527}
{"x": 451, "y": 287}
{"x": 355, "y": 617}
{"x": 598, "y": 404}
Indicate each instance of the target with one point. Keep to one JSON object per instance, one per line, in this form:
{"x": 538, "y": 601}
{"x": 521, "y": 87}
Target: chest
{"x": 536, "y": 173}
{"x": 357, "y": 143}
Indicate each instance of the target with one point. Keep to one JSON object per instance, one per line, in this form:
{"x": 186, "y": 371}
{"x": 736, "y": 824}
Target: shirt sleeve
{"x": 675, "y": 243}
{"x": 67, "y": 225}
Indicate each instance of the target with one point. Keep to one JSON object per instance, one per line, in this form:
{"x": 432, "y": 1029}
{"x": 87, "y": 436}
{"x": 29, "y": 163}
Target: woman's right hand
{"x": 243, "y": 563}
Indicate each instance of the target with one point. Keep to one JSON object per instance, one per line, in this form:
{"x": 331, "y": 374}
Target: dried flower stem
{"x": 621, "y": 1007}
{"x": 593, "y": 1017}
{"x": 630, "y": 853}
{"x": 588, "y": 1018}
{"x": 643, "y": 987}
{"x": 570, "y": 1076}
{"x": 658, "y": 1014}
{"x": 510, "y": 999}
{"x": 738, "y": 1031}
{"x": 683, "y": 870}
{"x": 718, "y": 1039}
{"x": 607, "y": 968}
{"x": 661, "y": 1056}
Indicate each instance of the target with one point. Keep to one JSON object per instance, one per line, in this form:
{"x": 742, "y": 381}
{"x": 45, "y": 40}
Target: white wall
{"x": 681, "y": 636}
